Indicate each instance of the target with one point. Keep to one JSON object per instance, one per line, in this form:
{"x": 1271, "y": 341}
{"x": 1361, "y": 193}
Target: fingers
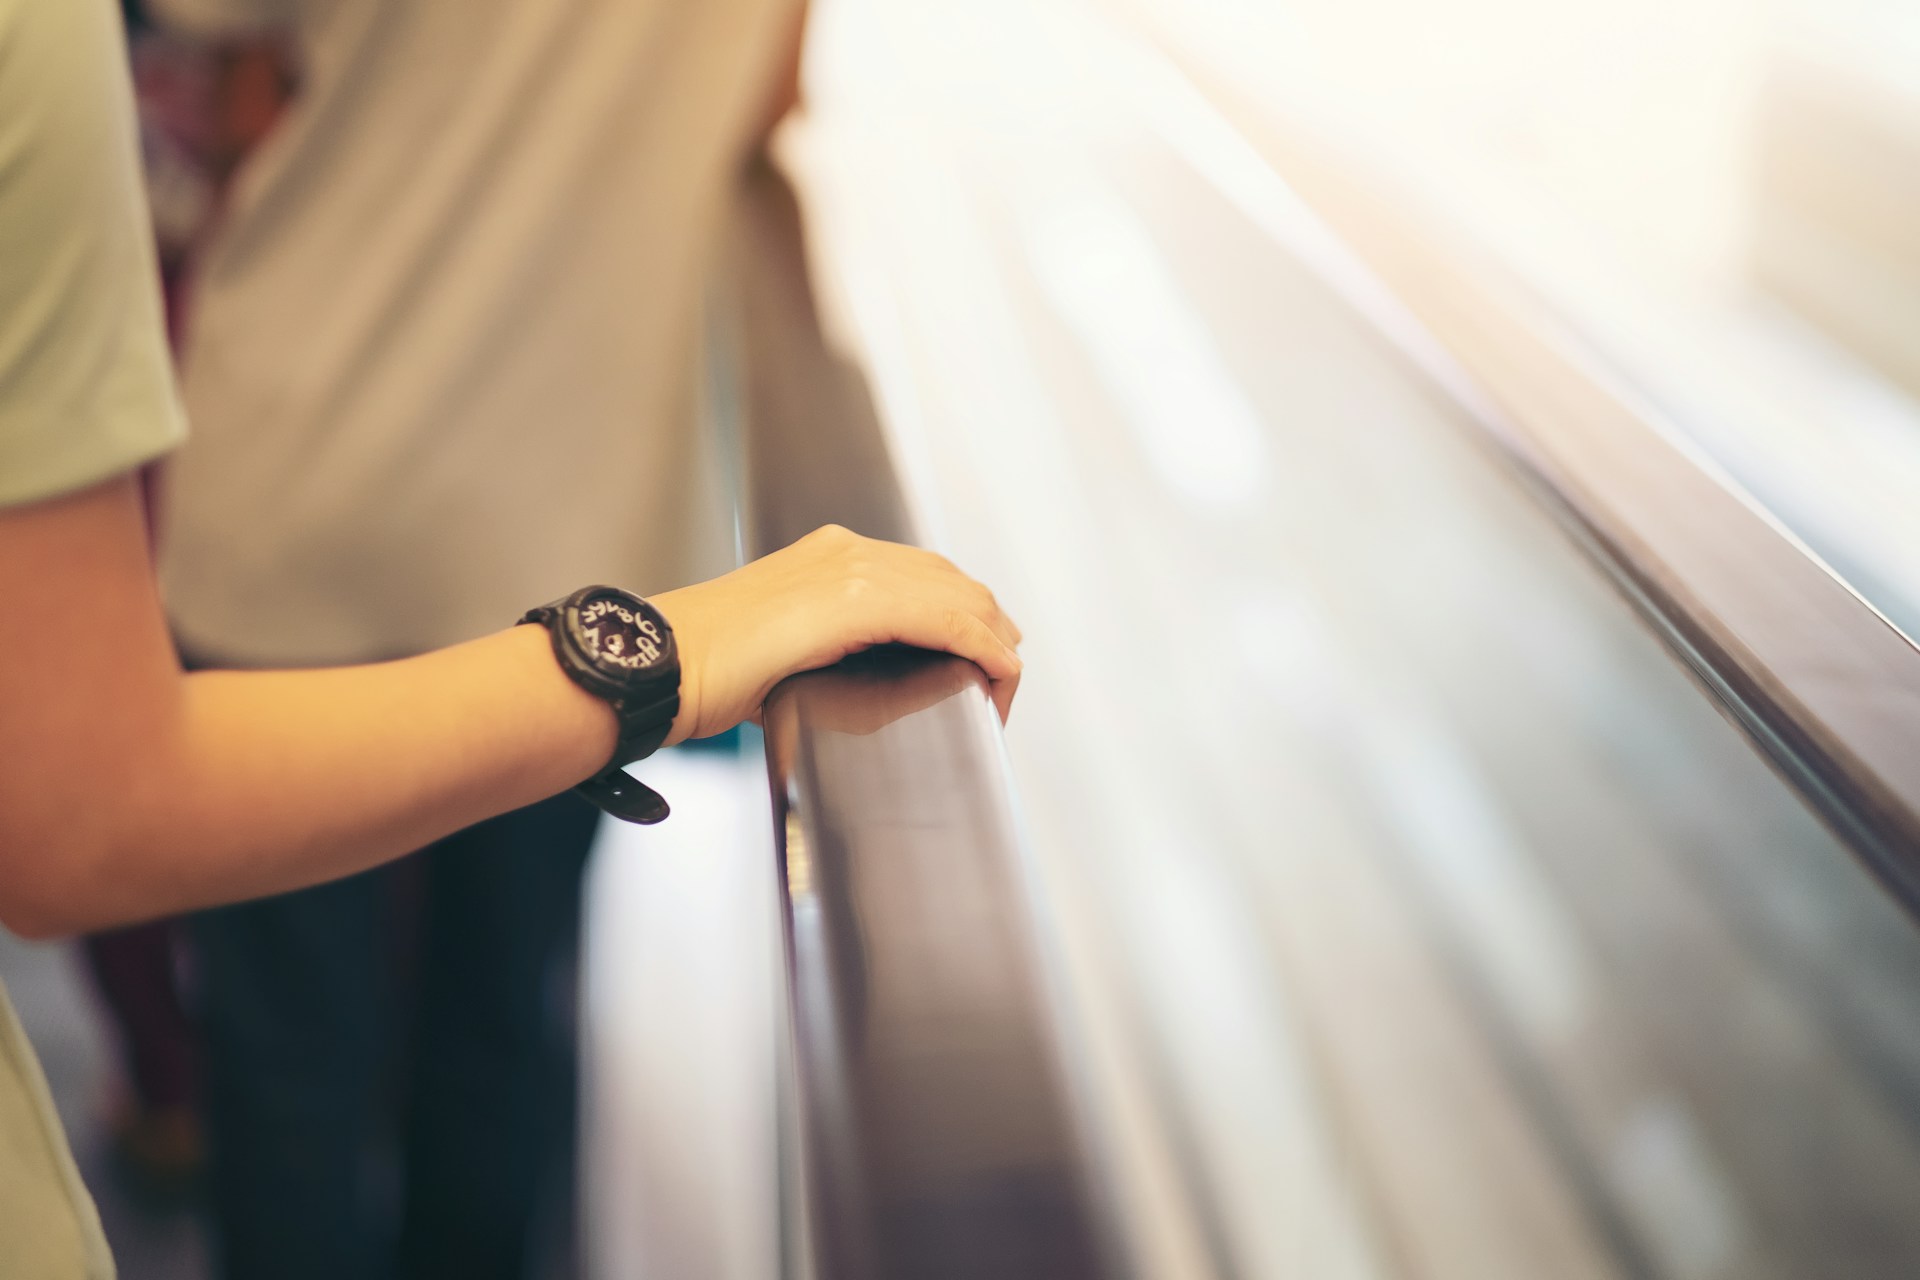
{"x": 851, "y": 592}
{"x": 965, "y": 596}
{"x": 948, "y": 628}
{"x": 933, "y": 576}
{"x": 969, "y": 637}
{"x": 988, "y": 610}
{"x": 1002, "y": 691}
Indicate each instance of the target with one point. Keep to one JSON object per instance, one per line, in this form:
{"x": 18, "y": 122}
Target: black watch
{"x": 616, "y": 646}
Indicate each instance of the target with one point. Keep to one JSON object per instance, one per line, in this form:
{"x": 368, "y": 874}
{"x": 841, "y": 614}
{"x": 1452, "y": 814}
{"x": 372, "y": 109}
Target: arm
{"x": 128, "y": 789}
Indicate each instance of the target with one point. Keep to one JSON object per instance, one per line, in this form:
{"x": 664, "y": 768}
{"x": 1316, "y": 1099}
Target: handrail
{"x": 935, "y": 1128}
{"x": 1823, "y": 684}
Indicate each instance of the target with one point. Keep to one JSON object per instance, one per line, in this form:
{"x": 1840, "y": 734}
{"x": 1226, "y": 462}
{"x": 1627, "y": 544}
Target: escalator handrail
{"x": 935, "y": 1128}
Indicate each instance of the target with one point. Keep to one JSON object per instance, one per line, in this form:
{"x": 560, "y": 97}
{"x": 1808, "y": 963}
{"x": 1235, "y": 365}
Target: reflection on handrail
{"x": 1824, "y": 685}
{"x": 934, "y": 1121}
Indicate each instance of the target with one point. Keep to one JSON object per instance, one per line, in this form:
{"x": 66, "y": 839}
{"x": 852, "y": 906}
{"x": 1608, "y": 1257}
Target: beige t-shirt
{"x": 442, "y": 353}
{"x": 86, "y": 393}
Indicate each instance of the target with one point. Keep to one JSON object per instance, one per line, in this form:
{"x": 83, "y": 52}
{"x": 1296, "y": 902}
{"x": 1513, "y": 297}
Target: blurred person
{"x": 129, "y": 789}
{"x": 441, "y": 358}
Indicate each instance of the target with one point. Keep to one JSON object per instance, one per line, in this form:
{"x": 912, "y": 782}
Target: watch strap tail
{"x": 625, "y": 797}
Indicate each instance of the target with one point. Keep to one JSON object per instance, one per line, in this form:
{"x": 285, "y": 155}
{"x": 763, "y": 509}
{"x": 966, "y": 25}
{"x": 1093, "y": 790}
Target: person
{"x": 441, "y": 360}
{"x": 130, "y": 789}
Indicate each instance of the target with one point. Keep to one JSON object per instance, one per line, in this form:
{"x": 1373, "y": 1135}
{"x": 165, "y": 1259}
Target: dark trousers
{"x": 390, "y": 1061}
{"x": 134, "y": 970}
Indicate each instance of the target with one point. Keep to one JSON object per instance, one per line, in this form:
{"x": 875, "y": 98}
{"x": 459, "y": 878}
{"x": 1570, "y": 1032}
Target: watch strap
{"x": 643, "y": 727}
{"x": 625, "y": 796}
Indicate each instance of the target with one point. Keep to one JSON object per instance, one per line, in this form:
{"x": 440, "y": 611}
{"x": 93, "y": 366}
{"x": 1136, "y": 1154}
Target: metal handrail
{"x": 935, "y": 1125}
{"x": 1822, "y": 683}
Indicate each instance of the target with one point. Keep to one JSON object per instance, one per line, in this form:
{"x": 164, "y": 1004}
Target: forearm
{"x": 128, "y": 789}
{"x": 260, "y": 782}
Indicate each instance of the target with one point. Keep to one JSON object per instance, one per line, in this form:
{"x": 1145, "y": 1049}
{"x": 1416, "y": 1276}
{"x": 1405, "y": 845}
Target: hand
{"x": 830, "y": 594}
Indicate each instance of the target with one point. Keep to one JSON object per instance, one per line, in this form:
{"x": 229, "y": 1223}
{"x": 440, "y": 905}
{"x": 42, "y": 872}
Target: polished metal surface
{"x": 938, "y": 1141}
{"x": 935, "y": 1128}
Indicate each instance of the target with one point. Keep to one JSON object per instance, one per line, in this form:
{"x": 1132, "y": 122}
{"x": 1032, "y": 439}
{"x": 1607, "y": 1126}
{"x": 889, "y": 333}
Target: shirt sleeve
{"x": 86, "y": 382}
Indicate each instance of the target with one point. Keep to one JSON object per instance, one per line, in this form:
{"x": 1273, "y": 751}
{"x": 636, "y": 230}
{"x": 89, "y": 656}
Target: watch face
{"x": 618, "y": 632}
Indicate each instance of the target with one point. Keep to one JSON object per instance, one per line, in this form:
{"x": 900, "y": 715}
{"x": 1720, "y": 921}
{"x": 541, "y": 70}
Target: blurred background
{"x": 1409, "y": 907}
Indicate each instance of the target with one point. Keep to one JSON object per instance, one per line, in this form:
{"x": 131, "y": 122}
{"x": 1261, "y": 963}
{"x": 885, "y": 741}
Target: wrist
{"x": 694, "y": 650}
{"x": 588, "y": 727}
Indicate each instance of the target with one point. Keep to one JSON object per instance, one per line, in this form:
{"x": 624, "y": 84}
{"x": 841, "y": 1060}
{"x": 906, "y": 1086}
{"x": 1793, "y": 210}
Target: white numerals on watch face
{"x": 619, "y": 636}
